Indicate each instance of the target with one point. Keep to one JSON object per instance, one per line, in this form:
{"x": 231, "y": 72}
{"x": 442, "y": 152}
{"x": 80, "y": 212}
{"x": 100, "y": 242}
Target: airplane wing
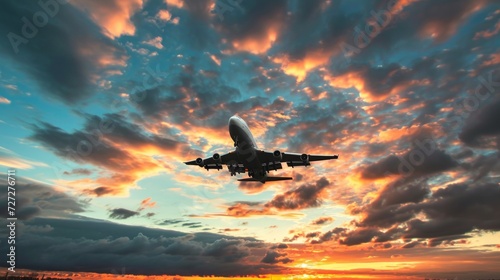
{"x": 291, "y": 159}
{"x": 216, "y": 161}
{"x": 270, "y": 161}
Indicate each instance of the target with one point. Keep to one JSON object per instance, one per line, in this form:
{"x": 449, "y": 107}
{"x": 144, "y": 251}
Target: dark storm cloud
{"x": 360, "y": 235}
{"x": 387, "y": 216}
{"x": 122, "y": 213}
{"x": 454, "y": 210}
{"x": 419, "y": 161}
{"x": 37, "y": 199}
{"x": 305, "y": 196}
{"x": 394, "y": 204}
{"x": 399, "y": 192}
{"x": 76, "y": 245}
{"x": 273, "y": 257}
{"x": 483, "y": 123}
{"x": 452, "y": 213}
{"x": 467, "y": 205}
{"x": 66, "y": 144}
{"x": 229, "y": 250}
{"x": 60, "y": 54}
{"x": 483, "y": 165}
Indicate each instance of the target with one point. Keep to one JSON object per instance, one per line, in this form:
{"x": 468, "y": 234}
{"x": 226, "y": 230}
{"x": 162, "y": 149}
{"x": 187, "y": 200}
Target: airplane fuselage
{"x": 246, "y": 147}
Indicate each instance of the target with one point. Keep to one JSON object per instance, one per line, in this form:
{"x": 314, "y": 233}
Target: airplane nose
{"x": 232, "y": 121}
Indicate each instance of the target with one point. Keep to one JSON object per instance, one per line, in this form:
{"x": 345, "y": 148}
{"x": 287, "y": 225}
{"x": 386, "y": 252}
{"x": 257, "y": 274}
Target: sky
{"x": 101, "y": 102}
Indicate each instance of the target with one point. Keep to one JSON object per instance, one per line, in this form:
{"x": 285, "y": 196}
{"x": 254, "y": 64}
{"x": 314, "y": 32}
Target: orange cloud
{"x": 300, "y": 67}
{"x": 493, "y": 60}
{"x": 356, "y": 79}
{"x": 4, "y": 100}
{"x": 112, "y": 16}
{"x": 393, "y": 134}
{"x": 147, "y": 203}
{"x": 258, "y": 44}
{"x": 164, "y": 15}
{"x": 175, "y": 3}
{"x": 155, "y": 42}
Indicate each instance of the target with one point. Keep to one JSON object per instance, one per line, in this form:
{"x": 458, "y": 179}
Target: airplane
{"x": 248, "y": 158}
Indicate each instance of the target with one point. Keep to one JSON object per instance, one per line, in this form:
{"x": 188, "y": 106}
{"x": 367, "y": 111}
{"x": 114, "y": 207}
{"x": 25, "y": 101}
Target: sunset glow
{"x": 103, "y": 102}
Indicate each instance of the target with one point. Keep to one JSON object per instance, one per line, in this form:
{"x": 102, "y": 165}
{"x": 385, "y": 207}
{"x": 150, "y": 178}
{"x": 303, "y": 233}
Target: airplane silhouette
{"x": 248, "y": 158}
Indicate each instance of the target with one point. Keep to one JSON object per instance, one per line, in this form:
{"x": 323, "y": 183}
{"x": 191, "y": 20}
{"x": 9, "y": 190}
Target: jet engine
{"x": 216, "y": 157}
{"x": 200, "y": 162}
{"x": 305, "y": 159}
{"x": 278, "y": 155}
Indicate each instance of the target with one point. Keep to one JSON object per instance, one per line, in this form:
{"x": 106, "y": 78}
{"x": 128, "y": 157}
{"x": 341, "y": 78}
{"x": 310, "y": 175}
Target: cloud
{"x": 481, "y": 124}
{"x": 82, "y": 57}
{"x": 442, "y": 22}
{"x": 416, "y": 162}
{"x": 78, "y": 171}
{"x": 122, "y": 213}
{"x": 155, "y": 42}
{"x": 164, "y": 15}
{"x": 279, "y": 246}
{"x": 358, "y": 236}
{"x": 114, "y": 17}
{"x": 12, "y": 160}
{"x": 75, "y": 245}
{"x": 305, "y": 196}
{"x": 36, "y": 199}
{"x": 450, "y": 213}
{"x": 300, "y": 51}
{"x": 273, "y": 257}
{"x": 4, "y": 100}
{"x": 170, "y": 222}
{"x": 192, "y": 225}
{"x": 146, "y": 203}
{"x": 322, "y": 221}
{"x": 256, "y": 29}
{"x": 104, "y": 139}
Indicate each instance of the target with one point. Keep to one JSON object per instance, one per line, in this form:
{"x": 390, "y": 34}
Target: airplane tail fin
{"x": 266, "y": 179}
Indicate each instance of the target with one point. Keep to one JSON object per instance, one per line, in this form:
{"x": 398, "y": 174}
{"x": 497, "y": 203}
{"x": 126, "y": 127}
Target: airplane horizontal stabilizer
{"x": 267, "y": 179}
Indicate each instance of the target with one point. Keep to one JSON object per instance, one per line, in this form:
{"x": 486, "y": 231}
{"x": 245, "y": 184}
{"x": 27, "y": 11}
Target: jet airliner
{"x": 248, "y": 158}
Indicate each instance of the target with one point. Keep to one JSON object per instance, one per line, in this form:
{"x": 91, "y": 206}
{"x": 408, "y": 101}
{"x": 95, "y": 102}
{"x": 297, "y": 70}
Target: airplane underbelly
{"x": 248, "y": 157}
